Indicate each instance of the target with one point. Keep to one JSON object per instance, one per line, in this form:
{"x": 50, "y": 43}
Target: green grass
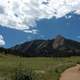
{"x": 44, "y": 68}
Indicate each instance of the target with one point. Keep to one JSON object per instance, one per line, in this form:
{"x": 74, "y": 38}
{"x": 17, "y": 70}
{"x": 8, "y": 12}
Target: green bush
{"x": 23, "y": 75}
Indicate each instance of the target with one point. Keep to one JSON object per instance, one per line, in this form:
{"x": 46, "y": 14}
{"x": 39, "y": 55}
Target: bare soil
{"x": 72, "y": 73}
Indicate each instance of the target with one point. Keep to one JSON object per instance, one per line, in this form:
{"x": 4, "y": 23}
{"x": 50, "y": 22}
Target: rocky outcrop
{"x": 58, "y": 42}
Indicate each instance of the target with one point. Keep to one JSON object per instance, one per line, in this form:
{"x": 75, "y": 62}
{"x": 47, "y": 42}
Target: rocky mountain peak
{"x": 58, "y": 41}
{"x": 59, "y": 46}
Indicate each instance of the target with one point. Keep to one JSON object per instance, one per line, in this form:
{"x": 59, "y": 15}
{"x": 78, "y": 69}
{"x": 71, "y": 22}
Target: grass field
{"x": 44, "y": 68}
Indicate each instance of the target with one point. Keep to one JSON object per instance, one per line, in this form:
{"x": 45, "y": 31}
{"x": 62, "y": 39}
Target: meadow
{"x": 44, "y": 68}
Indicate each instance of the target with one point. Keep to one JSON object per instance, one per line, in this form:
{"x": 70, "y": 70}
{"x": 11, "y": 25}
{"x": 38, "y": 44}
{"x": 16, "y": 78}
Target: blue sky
{"x": 48, "y": 29}
{"x": 26, "y": 20}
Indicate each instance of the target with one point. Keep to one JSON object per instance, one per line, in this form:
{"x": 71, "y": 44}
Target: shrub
{"x": 23, "y": 75}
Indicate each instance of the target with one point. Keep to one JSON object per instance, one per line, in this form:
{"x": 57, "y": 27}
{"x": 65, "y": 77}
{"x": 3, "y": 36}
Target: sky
{"x": 26, "y": 20}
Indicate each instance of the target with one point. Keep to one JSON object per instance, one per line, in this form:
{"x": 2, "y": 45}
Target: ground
{"x": 72, "y": 73}
{"x": 46, "y": 68}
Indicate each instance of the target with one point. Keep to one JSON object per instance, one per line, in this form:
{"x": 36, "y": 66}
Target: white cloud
{"x": 2, "y": 42}
{"x": 23, "y": 14}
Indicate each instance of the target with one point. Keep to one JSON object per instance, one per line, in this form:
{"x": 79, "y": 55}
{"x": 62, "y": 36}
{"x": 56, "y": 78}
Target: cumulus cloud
{"x": 2, "y": 42}
{"x": 23, "y": 14}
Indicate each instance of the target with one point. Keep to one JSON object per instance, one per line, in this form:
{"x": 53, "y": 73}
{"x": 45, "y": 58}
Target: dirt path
{"x": 72, "y": 73}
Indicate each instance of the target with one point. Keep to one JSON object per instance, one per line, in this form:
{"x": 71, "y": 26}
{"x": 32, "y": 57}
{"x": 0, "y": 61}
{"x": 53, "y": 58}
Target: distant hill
{"x": 58, "y": 47}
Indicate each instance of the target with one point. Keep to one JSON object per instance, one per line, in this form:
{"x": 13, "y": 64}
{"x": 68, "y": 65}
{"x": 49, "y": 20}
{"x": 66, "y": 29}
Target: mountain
{"x": 57, "y": 47}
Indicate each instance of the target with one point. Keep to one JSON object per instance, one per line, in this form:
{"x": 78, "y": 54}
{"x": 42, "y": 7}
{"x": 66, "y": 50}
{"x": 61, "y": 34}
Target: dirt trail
{"x": 72, "y": 73}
